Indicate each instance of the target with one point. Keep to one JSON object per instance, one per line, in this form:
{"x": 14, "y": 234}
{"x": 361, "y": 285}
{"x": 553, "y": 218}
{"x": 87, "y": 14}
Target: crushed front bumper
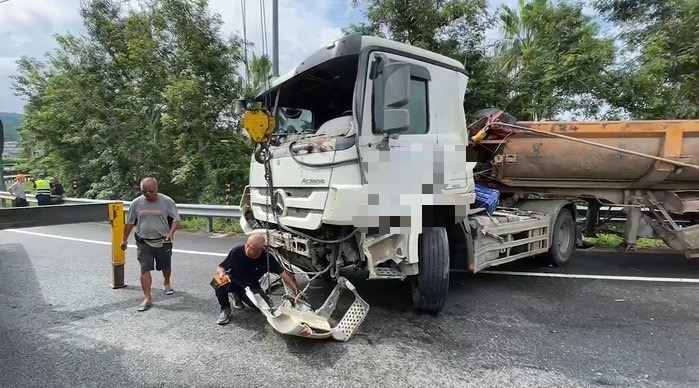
{"x": 300, "y": 320}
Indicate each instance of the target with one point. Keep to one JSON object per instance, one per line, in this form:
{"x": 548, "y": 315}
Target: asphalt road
{"x": 61, "y": 325}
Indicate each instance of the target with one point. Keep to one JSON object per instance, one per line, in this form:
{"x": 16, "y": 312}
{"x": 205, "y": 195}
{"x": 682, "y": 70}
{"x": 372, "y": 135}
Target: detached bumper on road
{"x": 302, "y": 321}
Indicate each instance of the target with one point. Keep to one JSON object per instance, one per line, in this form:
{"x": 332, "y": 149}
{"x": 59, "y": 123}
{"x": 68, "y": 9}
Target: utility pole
{"x": 275, "y": 38}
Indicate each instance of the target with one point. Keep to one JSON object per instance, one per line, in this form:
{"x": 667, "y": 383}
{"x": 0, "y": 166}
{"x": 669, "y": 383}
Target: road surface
{"x": 63, "y": 326}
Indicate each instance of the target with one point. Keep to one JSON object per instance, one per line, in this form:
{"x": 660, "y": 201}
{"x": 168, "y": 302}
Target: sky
{"x": 27, "y": 28}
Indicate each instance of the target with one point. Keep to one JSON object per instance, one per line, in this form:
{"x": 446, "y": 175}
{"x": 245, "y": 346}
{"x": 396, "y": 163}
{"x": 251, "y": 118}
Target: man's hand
{"x": 123, "y": 245}
{"x": 168, "y": 238}
{"x": 221, "y": 273}
{"x": 289, "y": 281}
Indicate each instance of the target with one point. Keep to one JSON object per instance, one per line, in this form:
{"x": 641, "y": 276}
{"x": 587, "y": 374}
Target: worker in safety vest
{"x": 43, "y": 191}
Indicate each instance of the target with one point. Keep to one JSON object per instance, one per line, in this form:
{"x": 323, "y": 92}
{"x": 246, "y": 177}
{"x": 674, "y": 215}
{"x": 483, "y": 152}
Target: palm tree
{"x": 260, "y": 74}
{"x": 517, "y": 38}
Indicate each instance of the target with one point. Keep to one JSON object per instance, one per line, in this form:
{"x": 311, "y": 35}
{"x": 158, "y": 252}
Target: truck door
{"x": 396, "y": 143}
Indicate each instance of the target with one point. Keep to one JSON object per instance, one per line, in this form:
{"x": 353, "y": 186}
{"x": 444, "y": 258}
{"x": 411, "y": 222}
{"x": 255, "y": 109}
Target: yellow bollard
{"x": 116, "y": 218}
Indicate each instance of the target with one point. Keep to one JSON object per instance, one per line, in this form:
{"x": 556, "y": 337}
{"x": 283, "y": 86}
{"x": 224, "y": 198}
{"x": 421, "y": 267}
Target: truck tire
{"x": 562, "y": 240}
{"x": 431, "y": 285}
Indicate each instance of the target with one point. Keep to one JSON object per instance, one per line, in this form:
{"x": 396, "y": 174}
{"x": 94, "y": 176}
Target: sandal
{"x": 168, "y": 290}
{"x": 144, "y": 306}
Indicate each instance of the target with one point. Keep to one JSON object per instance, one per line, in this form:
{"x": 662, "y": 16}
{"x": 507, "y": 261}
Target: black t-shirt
{"x": 248, "y": 271}
{"x": 57, "y": 189}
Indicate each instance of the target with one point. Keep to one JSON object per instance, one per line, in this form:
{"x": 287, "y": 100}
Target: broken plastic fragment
{"x": 300, "y": 320}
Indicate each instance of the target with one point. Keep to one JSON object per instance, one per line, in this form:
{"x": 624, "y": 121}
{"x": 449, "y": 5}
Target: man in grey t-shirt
{"x": 156, "y": 218}
{"x": 20, "y": 194}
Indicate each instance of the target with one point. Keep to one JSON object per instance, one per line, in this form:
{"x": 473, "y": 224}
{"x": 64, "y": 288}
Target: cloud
{"x": 27, "y": 28}
{"x": 304, "y": 26}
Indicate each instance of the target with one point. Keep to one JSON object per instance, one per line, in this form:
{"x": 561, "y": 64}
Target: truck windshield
{"x": 315, "y": 96}
{"x": 293, "y": 121}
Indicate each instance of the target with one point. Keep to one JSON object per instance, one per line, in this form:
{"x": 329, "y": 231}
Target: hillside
{"x": 11, "y": 121}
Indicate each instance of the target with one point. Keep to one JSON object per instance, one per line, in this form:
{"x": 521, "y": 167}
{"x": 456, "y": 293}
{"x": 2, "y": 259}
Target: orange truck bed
{"x": 532, "y": 160}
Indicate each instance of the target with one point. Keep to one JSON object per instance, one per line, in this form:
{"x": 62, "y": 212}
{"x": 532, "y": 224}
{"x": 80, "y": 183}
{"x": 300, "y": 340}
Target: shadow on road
{"x": 644, "y": 263}
{"x": 36, "y": 349}
{"x": 602, "y": 332}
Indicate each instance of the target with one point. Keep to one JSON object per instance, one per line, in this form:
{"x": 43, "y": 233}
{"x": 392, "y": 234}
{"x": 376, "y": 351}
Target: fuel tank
{"x": 531, "y": 160}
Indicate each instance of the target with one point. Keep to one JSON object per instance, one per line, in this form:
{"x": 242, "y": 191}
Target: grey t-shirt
{"x": 152, "y": 217}
{"x": 17, "y": 189}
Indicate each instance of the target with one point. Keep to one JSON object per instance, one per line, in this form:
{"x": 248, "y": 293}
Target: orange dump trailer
{"x": 637, "y": 165}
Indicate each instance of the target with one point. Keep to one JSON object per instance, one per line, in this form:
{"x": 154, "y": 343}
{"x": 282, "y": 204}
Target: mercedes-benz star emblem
{"x": 278, "y": 206}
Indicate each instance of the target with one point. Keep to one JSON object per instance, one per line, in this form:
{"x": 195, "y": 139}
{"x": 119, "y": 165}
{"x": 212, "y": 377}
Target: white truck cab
{"x": 368, "y": 165}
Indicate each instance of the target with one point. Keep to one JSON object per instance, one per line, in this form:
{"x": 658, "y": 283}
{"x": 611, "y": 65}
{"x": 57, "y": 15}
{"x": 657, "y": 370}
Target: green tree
{"x": 455, "y": 28}
{"x": 659, "y": 78}
{"x": 556, "y": 59}
{"x": 145, "y": 92}
{"x": 517, "y": 38}
{"x": 551, "y": 57}
{"x": 363, "y": 29}
{"x": 11, "y": 122}
{"x": 448, "y": 27}
{"x": 260, "y": 74}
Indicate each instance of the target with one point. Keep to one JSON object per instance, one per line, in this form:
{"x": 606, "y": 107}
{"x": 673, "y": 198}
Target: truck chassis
{"x": 545, "y": 228}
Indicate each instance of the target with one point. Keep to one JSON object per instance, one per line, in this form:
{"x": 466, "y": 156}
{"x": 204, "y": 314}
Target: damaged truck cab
{"x": 369, "y": 168}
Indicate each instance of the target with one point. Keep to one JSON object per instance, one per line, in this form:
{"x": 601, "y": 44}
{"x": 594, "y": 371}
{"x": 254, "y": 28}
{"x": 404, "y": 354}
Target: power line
{"x": 265, "y": 48}
{"x": 263, "y": 24}
{"x": 245, "y": 43}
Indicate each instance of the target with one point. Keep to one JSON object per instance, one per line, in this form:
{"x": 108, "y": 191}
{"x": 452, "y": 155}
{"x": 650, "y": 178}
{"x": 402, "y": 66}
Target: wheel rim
{"x": 564, "y": 239}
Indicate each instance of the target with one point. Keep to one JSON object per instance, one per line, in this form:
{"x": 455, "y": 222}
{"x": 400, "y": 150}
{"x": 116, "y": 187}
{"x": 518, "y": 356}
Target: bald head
{"x": 149, "y": 181}
{"x": 254, "y": 245}
{"x": 257, "y": 240}
{"x": 149, "y": 188}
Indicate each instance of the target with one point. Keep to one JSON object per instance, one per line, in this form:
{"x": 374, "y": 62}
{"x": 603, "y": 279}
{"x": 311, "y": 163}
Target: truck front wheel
{"x": 562, "y": 239}
{"x": 431, "y": 285}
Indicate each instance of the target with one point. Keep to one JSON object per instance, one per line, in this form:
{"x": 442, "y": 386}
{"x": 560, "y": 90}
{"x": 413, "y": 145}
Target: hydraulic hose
{"x": 317, "y": 165}
{"x": 318, "y": 240}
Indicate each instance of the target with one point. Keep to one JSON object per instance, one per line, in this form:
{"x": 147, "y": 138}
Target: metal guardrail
{"x": 209, "y": 212}
{"x": 9, "y": 179}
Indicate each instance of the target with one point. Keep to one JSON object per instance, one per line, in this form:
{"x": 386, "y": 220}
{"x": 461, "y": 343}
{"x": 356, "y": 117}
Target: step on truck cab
{"x": 368, "y": 169}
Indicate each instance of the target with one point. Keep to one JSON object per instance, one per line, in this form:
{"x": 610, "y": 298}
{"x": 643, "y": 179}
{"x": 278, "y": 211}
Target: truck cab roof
{"x": 354, "y": 45}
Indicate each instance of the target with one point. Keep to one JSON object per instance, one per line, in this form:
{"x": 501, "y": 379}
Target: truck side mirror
{"x": 391, "y": 97}
{"x": 239, "y": 106}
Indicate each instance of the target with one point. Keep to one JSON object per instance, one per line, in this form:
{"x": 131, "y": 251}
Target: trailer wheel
{"x": 431, "y": 285}
{"x": 563, "y": 239}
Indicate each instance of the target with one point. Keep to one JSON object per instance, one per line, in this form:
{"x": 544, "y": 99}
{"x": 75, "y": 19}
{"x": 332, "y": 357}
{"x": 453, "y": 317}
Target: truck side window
{"x": 418, "y": 108}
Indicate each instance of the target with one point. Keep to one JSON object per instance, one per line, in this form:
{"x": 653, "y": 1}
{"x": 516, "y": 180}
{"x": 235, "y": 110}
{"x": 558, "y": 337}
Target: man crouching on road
{"x": 157, "y": 220}
{"x": 243, "y": 267}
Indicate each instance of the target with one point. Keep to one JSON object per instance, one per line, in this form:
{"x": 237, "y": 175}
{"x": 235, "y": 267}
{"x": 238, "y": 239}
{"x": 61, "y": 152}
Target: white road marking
{"x": 109, "y": 243}
{"x": 599, "y": 277}
{"x": 511, "y": 273}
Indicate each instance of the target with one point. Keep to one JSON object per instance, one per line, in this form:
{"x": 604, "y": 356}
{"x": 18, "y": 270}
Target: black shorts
{"x": 151, "y": 258}
{"x": 20, "y": 202}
